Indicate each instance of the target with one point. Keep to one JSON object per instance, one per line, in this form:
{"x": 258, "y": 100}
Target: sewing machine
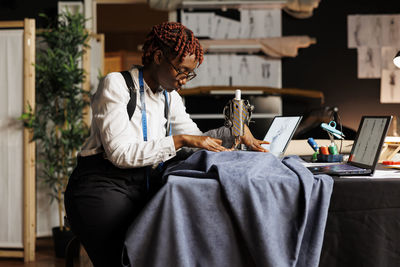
{"x": 237, "y": 113}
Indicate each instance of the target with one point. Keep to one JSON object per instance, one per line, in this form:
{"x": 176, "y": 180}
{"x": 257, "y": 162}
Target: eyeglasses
{"x": 182, "y": 75}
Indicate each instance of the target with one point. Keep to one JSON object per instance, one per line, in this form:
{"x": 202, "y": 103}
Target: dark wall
{"x": 329, "y": 66}
{"x": 20, "y": 9}
{"x": 126, "y": 26}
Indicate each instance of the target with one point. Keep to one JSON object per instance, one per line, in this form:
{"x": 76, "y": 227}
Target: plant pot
{"x": 61, "y": 240}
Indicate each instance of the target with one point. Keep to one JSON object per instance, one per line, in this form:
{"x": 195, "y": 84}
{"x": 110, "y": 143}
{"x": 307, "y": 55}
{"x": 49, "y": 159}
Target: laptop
{"x": 280, "y": 133}
{"x": 365, "y": 152}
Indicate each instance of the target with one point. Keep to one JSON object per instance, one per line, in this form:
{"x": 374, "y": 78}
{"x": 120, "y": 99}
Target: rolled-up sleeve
{"x": 122, "y": 143}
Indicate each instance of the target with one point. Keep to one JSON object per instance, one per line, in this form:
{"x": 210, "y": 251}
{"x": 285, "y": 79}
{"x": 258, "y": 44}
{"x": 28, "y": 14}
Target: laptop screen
{"x": 370, "y": 136}
{"x": 280, "y": 133}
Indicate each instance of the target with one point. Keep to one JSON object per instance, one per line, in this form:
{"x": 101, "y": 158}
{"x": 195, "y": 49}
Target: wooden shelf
{"x": 265, "y": 4}
{"x": 276, "y": 47}
{"x": 254, "y": 90}
{"x": 208, "y": 116}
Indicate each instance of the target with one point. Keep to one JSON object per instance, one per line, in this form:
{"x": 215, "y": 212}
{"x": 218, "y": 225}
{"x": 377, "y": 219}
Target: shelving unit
{"x": 234, "y": 58}
{"x": 248, "y": 90}
{"x": 263, "y": 4}
{"x": 26, "y": 228}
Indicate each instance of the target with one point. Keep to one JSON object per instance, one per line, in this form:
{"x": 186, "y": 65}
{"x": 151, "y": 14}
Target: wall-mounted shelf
{"x": 221, "y": 116}
{"x": 253, "y": 90}
{"x": 246, "y": 90}
{"x": 277, "y": 47}
{"x": 264, "y": 4}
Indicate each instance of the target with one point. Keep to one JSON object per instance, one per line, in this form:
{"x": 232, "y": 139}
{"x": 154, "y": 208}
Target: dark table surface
{"x": 363, "y": 225}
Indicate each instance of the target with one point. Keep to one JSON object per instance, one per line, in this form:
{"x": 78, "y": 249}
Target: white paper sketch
{"x": 375, "y": 31}
{"x": 390, "y": 86}
{"x": 370, "y": 33}
{"x": 364, "y": 30}
{"x": 270, "y": 72}
{"x": 201, "y": 77}
{"x": 356, "y": 36}
{"x": 225, "y": 28}
{"x": 201, "y": 23}
{"x": 387, "y": 55}
{"x": 253, "y": 24}
{"x": 260, "y": 23}
{"x": 369, "y": 62}
{"x": 220, "y": 69}
{"x": 238, "y": 70}
{"x": 352, "y": 31}
{"x": 253, "y": 70}
{"x": 391, "y": 30}
{"x": 268, "y": 23}
{"x": 243, "y": 70}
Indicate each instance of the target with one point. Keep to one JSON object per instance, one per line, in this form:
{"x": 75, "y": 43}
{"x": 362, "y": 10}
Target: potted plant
{"x": 57, "y": 123}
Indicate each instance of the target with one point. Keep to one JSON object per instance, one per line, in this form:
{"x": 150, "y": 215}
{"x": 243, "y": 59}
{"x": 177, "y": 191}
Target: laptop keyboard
{"x": 340, "y": 168}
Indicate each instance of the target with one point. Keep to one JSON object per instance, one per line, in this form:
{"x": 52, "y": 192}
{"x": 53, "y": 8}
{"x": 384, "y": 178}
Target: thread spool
{"x": 238, "y": 94}
{"x": 324, "y": 150}
{"x": 313, "y": 144}
{"x": 333, "y": 150}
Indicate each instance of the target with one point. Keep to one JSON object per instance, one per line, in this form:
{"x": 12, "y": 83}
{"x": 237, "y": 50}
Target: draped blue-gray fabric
{"x": 233, "y": 209}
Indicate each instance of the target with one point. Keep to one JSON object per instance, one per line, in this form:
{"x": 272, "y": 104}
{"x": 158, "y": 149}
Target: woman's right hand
{"x": 206, "y": 142}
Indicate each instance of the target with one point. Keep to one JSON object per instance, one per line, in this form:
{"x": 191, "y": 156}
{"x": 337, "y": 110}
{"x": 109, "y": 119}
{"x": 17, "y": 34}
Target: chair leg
{"x": 84, "y": 260}
{"x": 71, "y": 251}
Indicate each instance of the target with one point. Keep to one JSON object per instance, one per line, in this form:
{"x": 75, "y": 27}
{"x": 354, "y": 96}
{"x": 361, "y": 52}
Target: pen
{"x": 391, "y": 162}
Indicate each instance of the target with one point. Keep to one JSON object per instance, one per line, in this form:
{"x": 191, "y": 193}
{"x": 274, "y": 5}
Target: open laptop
{"x": 280, "y": 133}
{"x": 366, "y": 149}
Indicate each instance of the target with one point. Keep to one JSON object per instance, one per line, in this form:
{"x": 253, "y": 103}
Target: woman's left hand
{"x": 251, "y": 142}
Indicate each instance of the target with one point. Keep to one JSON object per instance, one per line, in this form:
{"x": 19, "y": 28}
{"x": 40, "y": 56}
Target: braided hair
{"x": 173, "y": 39}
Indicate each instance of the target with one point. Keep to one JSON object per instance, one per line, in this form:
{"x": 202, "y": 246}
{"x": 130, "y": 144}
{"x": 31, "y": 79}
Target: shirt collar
{"x": 135, "y": 71}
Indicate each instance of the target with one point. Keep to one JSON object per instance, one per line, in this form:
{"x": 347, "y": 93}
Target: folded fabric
{"x": 233, "y": 209}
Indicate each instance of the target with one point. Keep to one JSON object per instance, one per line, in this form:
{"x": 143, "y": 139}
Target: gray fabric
{"x": 233, "y": 209}
{"x": 224, "y": 134}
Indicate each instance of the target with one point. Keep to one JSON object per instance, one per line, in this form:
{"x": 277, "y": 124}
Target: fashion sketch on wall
{"x": 249, "y": 23}
{"x": 230, "y": 69}
{"x": 377, "y": 40}
{"x": 390, "y": 86}
{"x": 369, "y": 62}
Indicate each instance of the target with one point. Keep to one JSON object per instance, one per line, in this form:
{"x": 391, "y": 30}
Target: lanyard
{"x": 142, "y": 101}
{"x": 144, "y": 120}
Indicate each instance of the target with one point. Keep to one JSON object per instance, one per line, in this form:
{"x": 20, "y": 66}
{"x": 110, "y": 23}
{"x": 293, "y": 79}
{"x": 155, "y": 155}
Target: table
{"x": 363, "y": 225}
{"x": 362, "y": 229}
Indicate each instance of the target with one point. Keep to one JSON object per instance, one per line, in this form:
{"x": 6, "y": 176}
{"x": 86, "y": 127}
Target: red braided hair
{"x": 173, "y": 39}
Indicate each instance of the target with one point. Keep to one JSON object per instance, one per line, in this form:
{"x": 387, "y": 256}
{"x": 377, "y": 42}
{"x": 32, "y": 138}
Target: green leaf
{"x": 57, "y": 123}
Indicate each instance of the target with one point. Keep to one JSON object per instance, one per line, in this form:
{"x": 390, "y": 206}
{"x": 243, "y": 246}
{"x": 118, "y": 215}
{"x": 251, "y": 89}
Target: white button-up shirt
{"x": 122, "y": 139}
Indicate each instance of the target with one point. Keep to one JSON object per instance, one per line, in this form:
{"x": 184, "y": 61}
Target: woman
{"x": 111, "y": 182}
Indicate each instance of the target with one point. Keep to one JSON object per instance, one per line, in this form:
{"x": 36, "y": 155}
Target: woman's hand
{"x": 251, "y": 142}
{"x": 206, "y": 142}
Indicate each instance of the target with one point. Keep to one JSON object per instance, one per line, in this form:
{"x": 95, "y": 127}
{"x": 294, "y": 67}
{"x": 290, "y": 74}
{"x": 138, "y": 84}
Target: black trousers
{"x": 101, "y": 201}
